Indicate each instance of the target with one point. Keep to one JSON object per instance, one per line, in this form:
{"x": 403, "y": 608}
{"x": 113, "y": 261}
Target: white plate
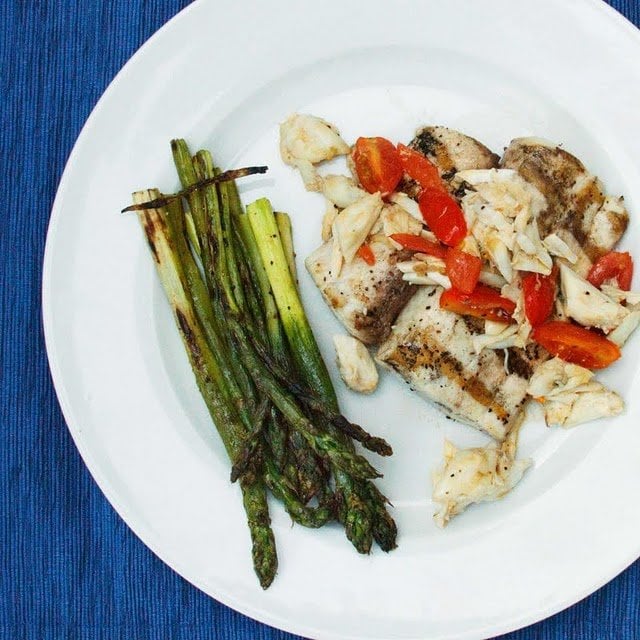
{"x": 223, "y": 75}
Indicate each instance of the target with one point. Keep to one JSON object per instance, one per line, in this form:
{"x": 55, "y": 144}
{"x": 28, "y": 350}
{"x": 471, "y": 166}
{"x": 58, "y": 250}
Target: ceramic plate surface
{"x": 223, "y": 75}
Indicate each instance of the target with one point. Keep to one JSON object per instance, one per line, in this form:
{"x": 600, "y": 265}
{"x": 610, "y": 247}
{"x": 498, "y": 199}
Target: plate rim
{"x": 147, "y": 537}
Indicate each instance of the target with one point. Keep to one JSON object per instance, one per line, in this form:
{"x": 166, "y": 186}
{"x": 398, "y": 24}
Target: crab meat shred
{"x": 501, "y": 213}
{"x": 497, "y": 335}
{"x": 470, "y": 245}
{"x": 342, "y": 191}
{"x": 583, "y": 263}
{"x": 353, "y": 224}
{"x": 408, "y": 204}
{"x": 357, "y": 368}
{"x": 498, "y": 252}
{"x": 559, "y": 311}
{"x": 583, "y": 404}
{"x": 475, "y": 475}
{"x": 337, "y": 259}
{"x": 588, "y": 305}
{"x": 624, "y": 330}
{"x": 492, "y": 279}
{"x": 425, "y": 269}
{"x": 556, "y": 246}
{"x": 311, "y": 179}
{"x": 395, "y": 219}
{"x": 502, "y": 340}
{"x": 328, "y": 219}
{"x": 305, "y": 141}
{"x": 513, "y": 291}
{"x": 570, "y": 395}
{"x": 619, "y": 295}
{"x": 429, "y": 235}
{"x": 529, "y": 253}
{"x": 557, "y": 376}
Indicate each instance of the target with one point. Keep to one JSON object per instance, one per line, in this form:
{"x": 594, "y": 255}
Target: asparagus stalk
{"x": 311, "y": 476}
{"x": 188, "y": 177}
{"x": 252, "y": 256}
{"x": 384, "y": 528}
{"x": 283, "y": 221}
{"x": 208, "y": 220}
{"x": 210, "y": 380}
{"x": 205, "y": 211}
{"x": 313, "y": 517}
{"x": 252, "y": 296}
{"x": 192, "y": 234}
{"x": 230, "y": 245}
{"x": 308, "y": 468}
{"x": 294, "y": 320}
{"x": 252, "y": 442}
{"x": 205, "y": 312}
{"x": 196, "y": 176}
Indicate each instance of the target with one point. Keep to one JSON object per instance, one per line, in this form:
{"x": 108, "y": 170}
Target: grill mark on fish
{"x": 475, "y": 326}
{"x": 412, "y": 356}
{"x": 450, "y": 151}
{"x": 433, "y": 350}
{"x": 573, "y": 195}
{"x": 519, "y": 363}
{"x": 426, "y": 143}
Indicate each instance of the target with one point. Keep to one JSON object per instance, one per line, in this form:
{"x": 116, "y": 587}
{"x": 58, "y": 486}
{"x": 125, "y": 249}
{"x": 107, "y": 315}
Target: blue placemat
{"x": 69, "y": 567}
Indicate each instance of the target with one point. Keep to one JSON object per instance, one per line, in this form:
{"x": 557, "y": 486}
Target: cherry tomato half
{"x": 576, "y": 344}
{"x": 615, "y": 264}
{"x": 463, "y": 269}
{"x": 443, "y": 216}
{"x": 484, "y": 302}
{"x": 377, "y": 164}
{"x": 420, "y": 168}
{"x": 539, "y": 296}
{"x": 420, "y": 245}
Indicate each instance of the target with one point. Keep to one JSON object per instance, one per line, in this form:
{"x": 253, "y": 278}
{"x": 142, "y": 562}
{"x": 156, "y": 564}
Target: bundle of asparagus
{"x": 229, "y": 276}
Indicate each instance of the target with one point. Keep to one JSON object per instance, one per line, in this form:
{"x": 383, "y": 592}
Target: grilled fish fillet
{"x": 451, "y": 151}
{"x": 365, "y": 298}
{"x": 368, "y": 299}
{"x": 576, "y": 202}
{"x": 432, "y": 349}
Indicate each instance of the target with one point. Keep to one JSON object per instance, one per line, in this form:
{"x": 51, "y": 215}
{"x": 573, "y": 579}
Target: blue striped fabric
{"x": 69, "y": 567}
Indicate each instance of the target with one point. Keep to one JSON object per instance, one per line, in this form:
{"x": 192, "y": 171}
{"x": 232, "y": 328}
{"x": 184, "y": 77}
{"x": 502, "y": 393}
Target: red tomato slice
{"x": 443, "y": 216}
{"x": 377, "y": 164}
{"x": 420, "y": 168}
{"x": 484, "y": 302}
{"x": 366, "y": 253}
{"x": 576, "y": 344}
{"x": 616, "y": 264}
{"x": 420, "y": 244}
{"x": 463, "y": 270}
{"x": 539, "y": 295}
